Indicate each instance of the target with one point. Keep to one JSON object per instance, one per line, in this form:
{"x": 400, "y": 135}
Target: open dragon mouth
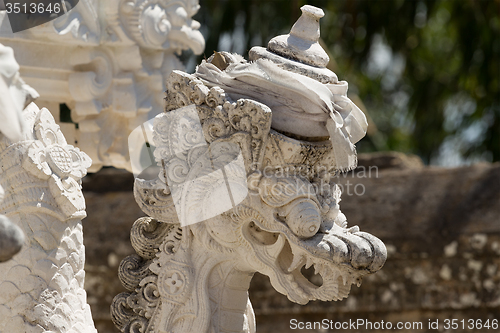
{"x": 322, "y": 267}
{"x": 309, "y": 278}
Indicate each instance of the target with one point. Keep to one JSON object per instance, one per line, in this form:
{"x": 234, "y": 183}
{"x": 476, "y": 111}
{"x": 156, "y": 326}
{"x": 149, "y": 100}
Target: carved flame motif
{"x": 50, "y": 157}
{"x": 163, "y": 24}
{"x": 289, "y": 222}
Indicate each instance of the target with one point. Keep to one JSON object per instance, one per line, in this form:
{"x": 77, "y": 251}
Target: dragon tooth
{"x": 316, "y": 269}
{"x": 359, "y": 281}
{"x": 274, "y": 250}
{"x": 344, "y": 278}
{"x": 297, "y": 261}
{"x": 309, "y": 262}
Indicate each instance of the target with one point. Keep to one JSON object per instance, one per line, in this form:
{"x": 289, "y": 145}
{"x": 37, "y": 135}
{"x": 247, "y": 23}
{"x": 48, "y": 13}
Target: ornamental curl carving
{"x": 145, "y": 235}
{"x": 132, "y": 270}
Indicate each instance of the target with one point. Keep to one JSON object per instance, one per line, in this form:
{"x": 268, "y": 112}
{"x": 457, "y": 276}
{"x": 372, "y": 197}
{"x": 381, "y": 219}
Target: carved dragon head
{"x": 245, "y": 194}
{"x": 284, "y": 216}
{"x": 249, "y": 189}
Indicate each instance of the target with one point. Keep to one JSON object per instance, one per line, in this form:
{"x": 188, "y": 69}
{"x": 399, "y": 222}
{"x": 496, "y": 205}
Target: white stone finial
{"x": 307, "y": 26}
{"x": 302, "y": 42}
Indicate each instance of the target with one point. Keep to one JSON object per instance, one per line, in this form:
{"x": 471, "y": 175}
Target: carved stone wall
{"x": 107, "y": 61}
{"x": 440, "y": 226}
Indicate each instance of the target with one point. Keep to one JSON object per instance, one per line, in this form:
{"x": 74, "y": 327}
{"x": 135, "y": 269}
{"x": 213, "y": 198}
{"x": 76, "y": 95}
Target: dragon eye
{"x": 303, "y": 217}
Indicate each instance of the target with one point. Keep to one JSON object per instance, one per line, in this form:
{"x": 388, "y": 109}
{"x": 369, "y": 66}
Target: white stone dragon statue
{"x": 240, "y": 192}
{"x": 41, "y": 288}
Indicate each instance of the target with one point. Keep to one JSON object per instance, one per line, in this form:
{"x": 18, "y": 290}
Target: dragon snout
{"x": 359, "y": 249}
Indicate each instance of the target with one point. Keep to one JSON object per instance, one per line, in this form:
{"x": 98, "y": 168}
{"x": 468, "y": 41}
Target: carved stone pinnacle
{"x": 307, "y": 26}
{"x": 302, "y": 42}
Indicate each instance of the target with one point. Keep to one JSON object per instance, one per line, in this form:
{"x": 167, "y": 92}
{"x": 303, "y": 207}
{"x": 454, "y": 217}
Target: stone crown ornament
{"x": 246, "y": 153}
{"x": 290, "y": 77}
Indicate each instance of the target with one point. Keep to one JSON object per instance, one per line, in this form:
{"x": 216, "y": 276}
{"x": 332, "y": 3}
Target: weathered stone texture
{"x": 441, "y": 227}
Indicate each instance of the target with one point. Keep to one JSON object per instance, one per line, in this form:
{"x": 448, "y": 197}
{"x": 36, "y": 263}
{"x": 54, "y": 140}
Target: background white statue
{"x": 14, "y": 96}
{"x": 41, "y": 288}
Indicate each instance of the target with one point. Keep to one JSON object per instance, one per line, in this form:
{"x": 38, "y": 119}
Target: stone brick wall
{"x": 441, "y": 227}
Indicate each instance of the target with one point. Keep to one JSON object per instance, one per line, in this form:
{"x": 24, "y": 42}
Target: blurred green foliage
{"x": 427, "y": 71}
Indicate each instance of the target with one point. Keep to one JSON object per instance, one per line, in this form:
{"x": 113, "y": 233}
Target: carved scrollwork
{"x": 155, "y": 200}
{"x": 146, "y": 234}
{"x": 161, "y": 24}
{"x": 221, "y": 118}
{"x": 150, "y": 280}
{"x": 132, "y": 270}
{"x": 121, "y": 313}
{"x": 146, "y": 298}
{"x": 92, "y": 82}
